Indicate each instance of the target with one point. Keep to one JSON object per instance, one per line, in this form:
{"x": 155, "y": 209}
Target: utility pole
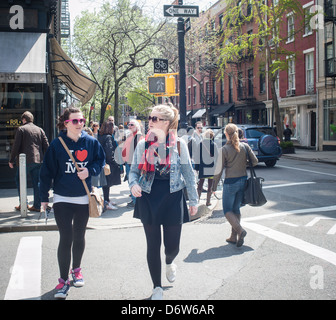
{"x": 182, "y": 78}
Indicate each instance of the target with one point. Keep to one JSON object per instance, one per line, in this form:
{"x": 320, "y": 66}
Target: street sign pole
{"x": 183, "y": 96}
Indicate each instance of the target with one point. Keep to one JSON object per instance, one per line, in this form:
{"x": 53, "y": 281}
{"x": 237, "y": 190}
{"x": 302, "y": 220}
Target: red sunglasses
{"x": 76, "y": 121}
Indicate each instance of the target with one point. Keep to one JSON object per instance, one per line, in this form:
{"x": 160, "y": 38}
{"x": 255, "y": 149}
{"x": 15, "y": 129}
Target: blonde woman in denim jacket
{"x": 161, "y": 169}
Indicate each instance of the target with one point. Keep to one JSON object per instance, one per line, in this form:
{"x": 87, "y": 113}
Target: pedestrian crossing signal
{"x": 157, "y": 85}
{"x": 162, "y": 85}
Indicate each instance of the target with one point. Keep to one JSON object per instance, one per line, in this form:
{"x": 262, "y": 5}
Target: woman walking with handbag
{"x": 70, "y": 200}
{"x": 110, "y": 146}
{"x": 233, "y": 159}
{"x": 161, "y": 168}
{"x": 208, "y": 152}
{"x": 128, "y": 150}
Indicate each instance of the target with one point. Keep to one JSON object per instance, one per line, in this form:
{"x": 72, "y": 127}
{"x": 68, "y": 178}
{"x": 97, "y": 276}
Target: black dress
{"x": 160, "y": 206}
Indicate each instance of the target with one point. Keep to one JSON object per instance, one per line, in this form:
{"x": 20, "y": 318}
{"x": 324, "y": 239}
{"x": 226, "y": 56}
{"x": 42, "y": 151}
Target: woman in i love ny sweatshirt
{"x": 70, "y": 201}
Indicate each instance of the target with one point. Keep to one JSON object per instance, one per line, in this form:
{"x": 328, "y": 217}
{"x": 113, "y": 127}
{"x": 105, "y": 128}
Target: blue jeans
{"x": 34, "y": 170}
{"x": 233, "y": 195}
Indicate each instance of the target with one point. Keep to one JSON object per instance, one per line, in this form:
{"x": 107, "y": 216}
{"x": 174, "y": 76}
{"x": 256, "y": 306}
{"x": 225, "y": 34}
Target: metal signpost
{"x": 23, "y": 184}
{"x": 181, "y": 11}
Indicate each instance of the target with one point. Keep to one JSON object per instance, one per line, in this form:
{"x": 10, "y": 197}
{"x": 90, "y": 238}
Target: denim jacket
{"x": 181, "y": 172}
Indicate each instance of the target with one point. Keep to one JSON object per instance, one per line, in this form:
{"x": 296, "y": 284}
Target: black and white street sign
{"x": 187, "y": 25}
{"x": 180, "y": 11}
{"x": 160, "y": 66}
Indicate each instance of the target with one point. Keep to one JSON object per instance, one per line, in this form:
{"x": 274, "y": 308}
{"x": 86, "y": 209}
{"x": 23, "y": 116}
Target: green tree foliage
{"x": 113, "y": 44}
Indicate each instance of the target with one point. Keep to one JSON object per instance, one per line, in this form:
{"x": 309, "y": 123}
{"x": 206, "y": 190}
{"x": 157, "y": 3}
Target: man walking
{"x": 31, "y": 140}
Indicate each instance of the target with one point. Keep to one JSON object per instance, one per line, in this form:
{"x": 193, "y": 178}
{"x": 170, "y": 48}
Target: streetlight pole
{"x": 182, "y": 76}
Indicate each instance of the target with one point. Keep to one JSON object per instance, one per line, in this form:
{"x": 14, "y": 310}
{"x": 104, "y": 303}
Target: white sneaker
{"x": 171, "y": 272}
{"x": 157, "y": 294}
{"x": 110, "y": 206}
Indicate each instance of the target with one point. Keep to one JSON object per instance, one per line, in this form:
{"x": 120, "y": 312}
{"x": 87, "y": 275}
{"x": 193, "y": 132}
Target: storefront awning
{"x": 199, "y": 113}
{"x": 222, "y": 109}
{"x": 22, "y": 57}
{"x": 67, "y": 72}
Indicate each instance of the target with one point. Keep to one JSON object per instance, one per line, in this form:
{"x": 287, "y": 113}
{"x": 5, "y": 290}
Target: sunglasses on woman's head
{"x": 155, "y": 119}
{"x": 76, "y": 121}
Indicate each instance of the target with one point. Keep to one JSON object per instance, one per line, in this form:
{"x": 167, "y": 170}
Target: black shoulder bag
{"x": 253, "y": 194}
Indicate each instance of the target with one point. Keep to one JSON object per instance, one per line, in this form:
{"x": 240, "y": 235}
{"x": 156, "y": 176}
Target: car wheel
{"x": 270, "y": 163}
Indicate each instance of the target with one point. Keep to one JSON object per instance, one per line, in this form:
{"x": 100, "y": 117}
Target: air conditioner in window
{"x": 290, "y": 92}
{"x": 310, "y": 89}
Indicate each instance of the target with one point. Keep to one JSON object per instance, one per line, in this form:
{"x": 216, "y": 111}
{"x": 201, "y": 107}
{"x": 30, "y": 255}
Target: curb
{"x": 202, "y": 212}
{"x": 306, "y": 159}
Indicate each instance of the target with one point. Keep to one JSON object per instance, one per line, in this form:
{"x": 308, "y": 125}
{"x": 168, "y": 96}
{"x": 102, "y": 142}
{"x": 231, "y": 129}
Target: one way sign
{"x": 180, "y": 11}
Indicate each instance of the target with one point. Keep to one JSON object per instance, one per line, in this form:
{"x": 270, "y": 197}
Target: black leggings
{"x": 171, "y": 240}
{"x": 106, "y": 193}
{"x": 71, "y": 220}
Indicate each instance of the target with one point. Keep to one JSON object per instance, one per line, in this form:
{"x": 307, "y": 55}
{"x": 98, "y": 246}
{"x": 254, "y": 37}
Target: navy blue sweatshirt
{"x": 58, "y": 169}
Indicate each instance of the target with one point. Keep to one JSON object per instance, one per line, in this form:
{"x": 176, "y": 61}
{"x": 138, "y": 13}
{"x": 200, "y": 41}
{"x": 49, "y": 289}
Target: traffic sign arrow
{"x": 180, "y": 11}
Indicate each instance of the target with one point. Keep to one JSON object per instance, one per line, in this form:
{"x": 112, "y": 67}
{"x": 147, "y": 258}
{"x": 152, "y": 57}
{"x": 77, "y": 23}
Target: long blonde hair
{"x": 232, "y": 131}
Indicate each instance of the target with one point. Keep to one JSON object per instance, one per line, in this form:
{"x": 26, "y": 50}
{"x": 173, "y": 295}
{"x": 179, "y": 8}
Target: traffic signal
{"x": 162, "y": 85}
{"x": 157, "y": 85}
{"x": 170, "y": 84}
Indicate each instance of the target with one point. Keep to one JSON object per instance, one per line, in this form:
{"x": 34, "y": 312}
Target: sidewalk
{"x": 312, "y": 155}
{"x": 11, "y": 220}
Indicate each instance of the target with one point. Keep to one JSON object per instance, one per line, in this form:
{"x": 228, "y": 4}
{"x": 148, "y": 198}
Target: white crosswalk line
{"x": 25, "y": 281}
{"x": 294, "y": 242}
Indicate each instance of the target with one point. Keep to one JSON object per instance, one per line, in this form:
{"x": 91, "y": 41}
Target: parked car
{"x": 261, "y": 138}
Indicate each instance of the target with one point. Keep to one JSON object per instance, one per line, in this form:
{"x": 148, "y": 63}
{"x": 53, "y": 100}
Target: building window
{"x": 329, "y": 110}
{"x": 291, "y": 74}
{"x": 16, "y": 98}
{"x": 262, "y": 80}
{"x": 240, "y": 85}
{"x": 310, "y": 73}
{"x": 250, "y": 82}
{"x": 195, "y": 94}
{"x": 290, "y": 28}
{"x": 189, "y": 96}
{"x": 214, "y": 92}
{"x": 289, "y": 117}
{"x": 230, "y": 88}
{"x": 277, "y": 82}
{"x": 330, "y": 59}
{"x": 307, "y": 27}
{"x": 222, "y": 91}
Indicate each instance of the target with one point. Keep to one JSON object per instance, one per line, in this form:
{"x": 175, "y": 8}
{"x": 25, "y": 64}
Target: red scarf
{"x": 147, "y": 164}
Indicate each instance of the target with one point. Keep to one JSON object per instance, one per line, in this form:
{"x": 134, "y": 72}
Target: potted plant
{"x": 287, "y": 147}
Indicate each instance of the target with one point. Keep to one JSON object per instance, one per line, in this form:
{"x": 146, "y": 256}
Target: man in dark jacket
{"x": 287, "y": 133}
{"x": 32, "y": 141}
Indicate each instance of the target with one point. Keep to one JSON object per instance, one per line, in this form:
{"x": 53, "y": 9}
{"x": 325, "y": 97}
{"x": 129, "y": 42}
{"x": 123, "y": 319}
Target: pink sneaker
{"x": 62, "y": 288}
{"x": 77, "y": 277}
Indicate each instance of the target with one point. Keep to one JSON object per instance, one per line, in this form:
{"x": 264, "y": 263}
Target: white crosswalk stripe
{"x": 25, "y": 281}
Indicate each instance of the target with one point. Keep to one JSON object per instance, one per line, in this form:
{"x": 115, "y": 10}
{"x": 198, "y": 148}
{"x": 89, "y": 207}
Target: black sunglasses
{"x": 155, "y": 119}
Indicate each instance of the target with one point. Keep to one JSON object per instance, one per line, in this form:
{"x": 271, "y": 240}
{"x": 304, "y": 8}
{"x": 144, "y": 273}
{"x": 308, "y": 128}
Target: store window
{"x": 289, "y": 117}
{"x": 329, "y": 120}
{"x": 16, "y": 99}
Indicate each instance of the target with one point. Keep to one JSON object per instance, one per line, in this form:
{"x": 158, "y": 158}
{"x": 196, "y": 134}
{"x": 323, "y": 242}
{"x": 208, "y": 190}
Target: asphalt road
{"x": 289, "y": 251}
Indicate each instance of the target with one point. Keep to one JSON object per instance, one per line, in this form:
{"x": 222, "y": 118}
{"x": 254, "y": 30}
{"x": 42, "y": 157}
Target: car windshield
{"x": 258, "y": 132}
